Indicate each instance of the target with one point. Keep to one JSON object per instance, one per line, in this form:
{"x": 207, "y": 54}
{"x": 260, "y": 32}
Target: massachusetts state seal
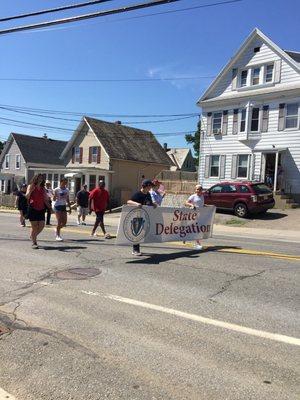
{"x": 136, "y": 225}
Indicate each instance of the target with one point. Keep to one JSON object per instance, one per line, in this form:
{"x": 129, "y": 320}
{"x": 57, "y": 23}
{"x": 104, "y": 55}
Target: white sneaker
{"x": 198, "y": 247}
{"x": 137, "y": 253}
{"x": 94, "y": 234}
{"x": 78, "y": 223}
{"x": 59, "y": 239}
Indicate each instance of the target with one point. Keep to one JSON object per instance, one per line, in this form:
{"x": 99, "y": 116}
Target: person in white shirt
{"x": 61, "y": 200}
{"x": 195, "y": 201}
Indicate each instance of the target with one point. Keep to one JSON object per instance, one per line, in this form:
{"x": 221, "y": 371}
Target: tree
{"x": 1, "y": 146}
{"x": 195, "y": 140}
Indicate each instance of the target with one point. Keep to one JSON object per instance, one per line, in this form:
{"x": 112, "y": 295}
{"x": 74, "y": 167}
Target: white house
{"x": 251, "y": 117}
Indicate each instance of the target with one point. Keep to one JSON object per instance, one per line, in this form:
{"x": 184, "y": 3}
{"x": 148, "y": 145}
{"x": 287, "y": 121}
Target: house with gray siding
{"x": 251, "y": 118}
{"x": 23, "y": 156}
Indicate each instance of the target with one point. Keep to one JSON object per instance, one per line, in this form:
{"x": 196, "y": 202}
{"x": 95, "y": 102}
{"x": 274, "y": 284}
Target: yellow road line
{"x": 281, "y": 256}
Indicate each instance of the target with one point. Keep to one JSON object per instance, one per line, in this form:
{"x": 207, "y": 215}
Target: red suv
{"x": 242, "y": 197}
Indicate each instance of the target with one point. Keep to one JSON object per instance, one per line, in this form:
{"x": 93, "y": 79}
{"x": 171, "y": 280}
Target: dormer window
{"x": 6, "y": 161}
{"x": 255, "y": 76}
{"x": 244, "y": 75}
{"x": 269, "y": 73}
{"x": 77, "y": 154}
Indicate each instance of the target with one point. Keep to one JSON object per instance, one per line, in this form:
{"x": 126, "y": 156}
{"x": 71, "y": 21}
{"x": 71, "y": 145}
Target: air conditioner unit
{"x": 219, "y": 132}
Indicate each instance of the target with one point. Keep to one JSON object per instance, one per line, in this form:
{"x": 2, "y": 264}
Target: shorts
{"x": 82, "y": 211}
{"x": 99, "y": 216}
{"x": 36, "y": 215}
{"x": 60, "y": 208}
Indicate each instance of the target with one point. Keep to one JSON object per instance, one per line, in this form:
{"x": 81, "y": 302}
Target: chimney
{"x": 45, "y": 136}
{"x": 165, "y": 146}
{"x": 118, "y": 122}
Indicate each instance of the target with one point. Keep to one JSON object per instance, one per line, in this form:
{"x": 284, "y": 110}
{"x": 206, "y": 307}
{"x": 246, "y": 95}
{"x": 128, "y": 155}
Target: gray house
{"x": 182, "y": 159}
{"x": 23, "y": 156}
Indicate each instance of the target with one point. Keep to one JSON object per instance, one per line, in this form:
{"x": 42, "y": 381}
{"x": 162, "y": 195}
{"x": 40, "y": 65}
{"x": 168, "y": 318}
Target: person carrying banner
{"x": 139, "y": 199}
{"x": 196, "y": 201}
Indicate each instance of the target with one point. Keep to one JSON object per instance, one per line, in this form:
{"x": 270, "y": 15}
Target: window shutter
{"x": 73, "y": 155}
{"x": 81, "y": 153}
{"x": 234, "y": 79}
{"x": 222, "y": 166}
{"x": 234, "y": 166}
{"x": 225, "y": 122}
{"x": 277, "y": 71}
{"x": 90, "y": 154}
{"x": 253, "y": 166}
{"x": 281, "y": 117}
{"x": 235, "y": 121}
{"x": 265, "y": 119}
{"x": 209, "y": 123}
{"x": 207, "y": 167}
{"x": 98, "y": 154}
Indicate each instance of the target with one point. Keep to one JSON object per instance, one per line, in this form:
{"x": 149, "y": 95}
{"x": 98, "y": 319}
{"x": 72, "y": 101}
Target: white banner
{"x": 164, "y": 224}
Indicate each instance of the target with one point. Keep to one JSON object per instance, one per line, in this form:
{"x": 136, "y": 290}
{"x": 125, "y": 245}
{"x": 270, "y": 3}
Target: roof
{"x": 295, "y": 55}
{"x": 178, "y": 155}
{"x": 39, "y": 150}
{"x": 127, "y": 143}
{"x": 254, "y": 34}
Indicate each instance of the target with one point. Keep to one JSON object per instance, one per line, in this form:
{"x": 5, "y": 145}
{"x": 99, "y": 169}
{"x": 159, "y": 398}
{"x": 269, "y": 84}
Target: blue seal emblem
{"x": 136, "y": 225}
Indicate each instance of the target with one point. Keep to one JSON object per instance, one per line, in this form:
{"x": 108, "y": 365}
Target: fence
{"x": 7, "y": 200}
{"x": 167, "y": 175}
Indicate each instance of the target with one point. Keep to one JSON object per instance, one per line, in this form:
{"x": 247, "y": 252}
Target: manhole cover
{"x": 78, "y": 273}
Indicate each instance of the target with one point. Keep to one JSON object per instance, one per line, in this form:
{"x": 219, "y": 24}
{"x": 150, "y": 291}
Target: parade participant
{"x": 82, "y": 201}
{"x": 140, "y": 198}
{"x": 49, "y": 192}
{"x": 156, "y": 195}
{"x": 38, "y": 202}
{"x": 196, "y": 201}
{"x": 98, "y": 201}
{"x": 61, "y": 201}
{"x": 22, "y": 204}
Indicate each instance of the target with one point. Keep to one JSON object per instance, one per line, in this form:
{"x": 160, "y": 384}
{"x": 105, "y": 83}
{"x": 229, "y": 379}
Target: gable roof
{"x": 37, "y": 150}
{"x": 178, "y": 155}
{"x": 295, "y": 55}
{"x": 256, "y": 33}
{"x": 124, "y": 142}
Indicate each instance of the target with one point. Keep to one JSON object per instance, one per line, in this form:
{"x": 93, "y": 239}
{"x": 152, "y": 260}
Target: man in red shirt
{"x": 98, "y": 201}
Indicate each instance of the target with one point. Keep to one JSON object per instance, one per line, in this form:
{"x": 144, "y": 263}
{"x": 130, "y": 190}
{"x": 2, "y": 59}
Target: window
{"x": 269, "y": 73}
{"x": 77, "y": 154}
{"x": 242, "y": 166}
{"x": 216, "y": 189}
{"x": 244, "y": 189}
{"x": 244, "y": 75}
{"x": 291, "y": 117}
{"x": 243, "y": 120}
{"x": 217, "y": 122}
{"x": 92, "y": 184}
{"x": 6, "y": 162}
{"x": 49, "y": 177}
{"x": 255, "y": 76}
{"x": 2, "y": 185}
{"x": 18, "y": 161}
{"x": 228, "y": 189}
{"x": 94, "y": 154}
{"x": 55, "y": 181}
{"x": 214, "y": 166}
{"x": 255, "y": 119}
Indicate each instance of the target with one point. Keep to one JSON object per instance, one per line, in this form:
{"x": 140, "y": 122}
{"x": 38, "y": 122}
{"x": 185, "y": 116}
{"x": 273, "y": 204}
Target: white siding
{"x": 230, "y": 144}
{"x": 249, "y": 58}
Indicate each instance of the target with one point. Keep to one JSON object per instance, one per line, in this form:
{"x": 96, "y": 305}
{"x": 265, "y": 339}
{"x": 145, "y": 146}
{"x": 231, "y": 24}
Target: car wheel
{"x": 240, "y": 210}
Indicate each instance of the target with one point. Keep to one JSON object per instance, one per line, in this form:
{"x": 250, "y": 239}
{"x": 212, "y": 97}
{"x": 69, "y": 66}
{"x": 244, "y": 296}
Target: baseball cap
{"x": 147, "y": 182}
{"x": 48, "y": 182}
{"x": 23, "y": 185}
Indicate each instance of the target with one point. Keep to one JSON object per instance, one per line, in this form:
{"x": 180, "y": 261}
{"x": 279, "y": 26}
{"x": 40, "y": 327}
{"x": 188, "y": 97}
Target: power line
{"x": 81, "y": 113}
{"x": 52, "y": 10}
{"x": 88, "y": 16}
{"x": 62, "y": 80}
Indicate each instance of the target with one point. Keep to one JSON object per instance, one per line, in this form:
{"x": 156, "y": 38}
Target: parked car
{"x": 242, "y": 197}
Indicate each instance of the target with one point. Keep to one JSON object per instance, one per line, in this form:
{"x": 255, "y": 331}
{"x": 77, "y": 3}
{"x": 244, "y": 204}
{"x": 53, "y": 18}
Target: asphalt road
{"x": 173, "y": 324}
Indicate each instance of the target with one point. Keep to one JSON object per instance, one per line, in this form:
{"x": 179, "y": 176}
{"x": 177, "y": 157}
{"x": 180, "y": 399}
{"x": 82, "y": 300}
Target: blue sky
{"x": 185, "y": 44}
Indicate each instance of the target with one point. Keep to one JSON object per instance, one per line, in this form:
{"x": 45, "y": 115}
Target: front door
{"x": 269, "y": 168}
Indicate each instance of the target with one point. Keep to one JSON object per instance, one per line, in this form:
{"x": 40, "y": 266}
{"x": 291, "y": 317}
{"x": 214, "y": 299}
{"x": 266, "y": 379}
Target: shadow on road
{"x": 268, "y": 216}
{"x": 161, "y": 258}
{"x": 62, "y": 248}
